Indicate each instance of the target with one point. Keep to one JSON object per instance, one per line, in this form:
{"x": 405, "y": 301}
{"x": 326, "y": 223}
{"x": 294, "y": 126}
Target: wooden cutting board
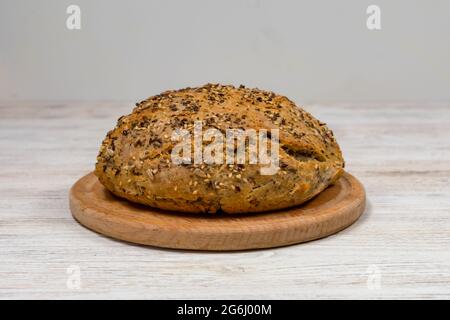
{"x": 334, "y": 209}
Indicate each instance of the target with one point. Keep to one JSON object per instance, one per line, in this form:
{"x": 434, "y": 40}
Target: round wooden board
{"x": 334, "y": 209}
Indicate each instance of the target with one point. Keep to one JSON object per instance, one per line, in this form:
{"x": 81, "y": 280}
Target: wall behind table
{"x": 309, "y": 50}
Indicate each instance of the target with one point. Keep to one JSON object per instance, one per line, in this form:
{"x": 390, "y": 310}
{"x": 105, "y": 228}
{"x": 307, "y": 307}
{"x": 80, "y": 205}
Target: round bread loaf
{"x": 136, "y": 158}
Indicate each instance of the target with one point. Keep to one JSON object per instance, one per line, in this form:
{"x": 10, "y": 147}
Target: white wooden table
{"x": 400, "y": 248}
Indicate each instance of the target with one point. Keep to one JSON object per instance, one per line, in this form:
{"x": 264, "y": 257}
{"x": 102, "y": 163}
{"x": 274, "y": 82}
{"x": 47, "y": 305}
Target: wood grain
{"x": 331, "y": 211}
{"x": 399, "y": 151}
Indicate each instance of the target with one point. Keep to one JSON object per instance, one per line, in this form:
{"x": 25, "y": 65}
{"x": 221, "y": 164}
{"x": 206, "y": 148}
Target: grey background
{"x": 308, "y": 50}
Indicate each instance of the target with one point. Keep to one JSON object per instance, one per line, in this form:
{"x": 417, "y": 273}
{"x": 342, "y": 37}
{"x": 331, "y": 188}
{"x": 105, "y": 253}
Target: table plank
{"x": 400, "y": 151}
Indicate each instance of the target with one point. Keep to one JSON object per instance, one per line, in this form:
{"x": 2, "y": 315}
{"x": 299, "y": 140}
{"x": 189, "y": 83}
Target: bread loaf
{"x": 136, "y": 157}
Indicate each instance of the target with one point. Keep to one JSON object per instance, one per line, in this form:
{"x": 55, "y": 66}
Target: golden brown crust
{"x": 134, "y": 160}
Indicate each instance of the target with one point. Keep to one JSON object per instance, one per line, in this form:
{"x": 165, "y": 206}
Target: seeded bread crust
{"x": 134, "y": 161}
